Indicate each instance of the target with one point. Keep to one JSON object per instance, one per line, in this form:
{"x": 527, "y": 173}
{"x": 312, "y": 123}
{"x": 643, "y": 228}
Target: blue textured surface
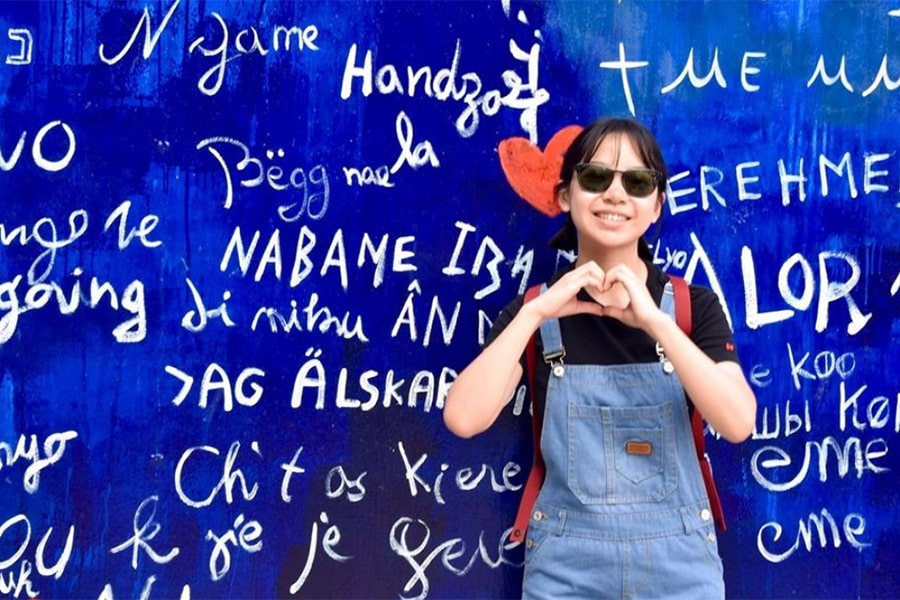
{"x": 97, "y": 438}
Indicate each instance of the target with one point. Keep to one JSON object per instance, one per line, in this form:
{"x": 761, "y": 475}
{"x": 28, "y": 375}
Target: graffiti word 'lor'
{"x": 829, "y": 290}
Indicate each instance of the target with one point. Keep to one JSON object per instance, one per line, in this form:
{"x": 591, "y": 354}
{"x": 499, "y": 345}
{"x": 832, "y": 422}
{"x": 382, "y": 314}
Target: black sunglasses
{"x": 593, "y": 177}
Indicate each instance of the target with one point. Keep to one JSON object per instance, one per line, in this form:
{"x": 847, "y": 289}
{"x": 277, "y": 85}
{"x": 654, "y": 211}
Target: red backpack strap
{"x": 536, "y": 476}
{"x": 684, "y": 318}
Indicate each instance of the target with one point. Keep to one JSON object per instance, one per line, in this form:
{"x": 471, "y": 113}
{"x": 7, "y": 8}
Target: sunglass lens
{"x": 639, "y": 182}
{"x": 595, "y": 178}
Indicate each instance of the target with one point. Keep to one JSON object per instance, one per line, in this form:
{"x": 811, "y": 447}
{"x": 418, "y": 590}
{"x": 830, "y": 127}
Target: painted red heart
{"x": 533, "y": 173}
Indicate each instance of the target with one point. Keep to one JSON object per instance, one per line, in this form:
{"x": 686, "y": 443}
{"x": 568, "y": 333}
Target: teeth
{"x": 611, "y": 217}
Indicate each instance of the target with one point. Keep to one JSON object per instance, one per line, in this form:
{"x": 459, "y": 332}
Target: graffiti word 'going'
{"x": 39, "y": 295}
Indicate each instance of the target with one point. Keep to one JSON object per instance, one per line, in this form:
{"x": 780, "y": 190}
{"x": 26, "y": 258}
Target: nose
{"x": 616, "y": 193}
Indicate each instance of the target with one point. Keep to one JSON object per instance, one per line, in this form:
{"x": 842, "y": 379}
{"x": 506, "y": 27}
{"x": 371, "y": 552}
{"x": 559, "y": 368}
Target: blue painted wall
{"x": 243, "y": 256}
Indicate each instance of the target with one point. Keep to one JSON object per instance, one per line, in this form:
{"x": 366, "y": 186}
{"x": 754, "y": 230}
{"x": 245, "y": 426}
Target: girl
{"x": 622, "y": 511}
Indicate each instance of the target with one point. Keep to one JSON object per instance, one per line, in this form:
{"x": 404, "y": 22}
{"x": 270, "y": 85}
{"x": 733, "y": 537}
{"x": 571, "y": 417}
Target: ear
{"x": 562, "y": 198}
{"x": 659, "y": 205}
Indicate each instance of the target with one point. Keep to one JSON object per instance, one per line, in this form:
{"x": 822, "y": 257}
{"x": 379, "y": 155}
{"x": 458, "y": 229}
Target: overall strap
{"x": 684, "y": 318}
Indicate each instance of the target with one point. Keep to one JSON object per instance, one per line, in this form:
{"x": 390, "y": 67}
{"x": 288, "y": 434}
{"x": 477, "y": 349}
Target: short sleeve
{"x": 710, "y": 330}
{"x": 506, "y": 315}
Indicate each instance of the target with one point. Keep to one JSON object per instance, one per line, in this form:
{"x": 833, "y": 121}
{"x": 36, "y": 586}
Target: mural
{"x": 245, "y": 248}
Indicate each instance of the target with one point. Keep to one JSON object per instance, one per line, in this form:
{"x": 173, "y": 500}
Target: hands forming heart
{"x": 588, "y": 289}
{"x": 614, "y": 297}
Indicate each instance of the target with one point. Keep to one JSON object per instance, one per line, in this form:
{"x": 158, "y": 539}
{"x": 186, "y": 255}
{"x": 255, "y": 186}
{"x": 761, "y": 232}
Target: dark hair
{"x": 583, "y": 148}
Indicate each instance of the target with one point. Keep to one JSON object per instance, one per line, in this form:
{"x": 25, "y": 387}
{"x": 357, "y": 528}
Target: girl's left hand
{"x": 625, "y": 297}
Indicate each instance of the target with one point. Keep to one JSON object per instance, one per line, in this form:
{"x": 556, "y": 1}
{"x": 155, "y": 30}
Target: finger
{"x": 621, "y": 272}
{"x": 591, "y": 308}
{"x": 625, "y": 276}
{"x": 587, "y": 278}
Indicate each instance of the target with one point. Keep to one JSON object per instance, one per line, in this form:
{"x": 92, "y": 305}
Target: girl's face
{"x": 616, "y": 217}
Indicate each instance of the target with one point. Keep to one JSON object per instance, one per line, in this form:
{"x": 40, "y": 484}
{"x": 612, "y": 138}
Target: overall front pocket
{"x": 621, "y": 455}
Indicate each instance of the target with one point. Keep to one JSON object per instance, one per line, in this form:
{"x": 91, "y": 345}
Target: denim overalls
{"x": 623, "y": 512}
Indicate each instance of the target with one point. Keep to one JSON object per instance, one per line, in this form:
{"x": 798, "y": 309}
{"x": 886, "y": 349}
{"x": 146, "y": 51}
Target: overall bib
{"x": 623, "y": 512}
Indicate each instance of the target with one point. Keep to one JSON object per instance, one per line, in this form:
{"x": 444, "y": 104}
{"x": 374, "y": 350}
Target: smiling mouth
{"x": 615, "y": 218}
